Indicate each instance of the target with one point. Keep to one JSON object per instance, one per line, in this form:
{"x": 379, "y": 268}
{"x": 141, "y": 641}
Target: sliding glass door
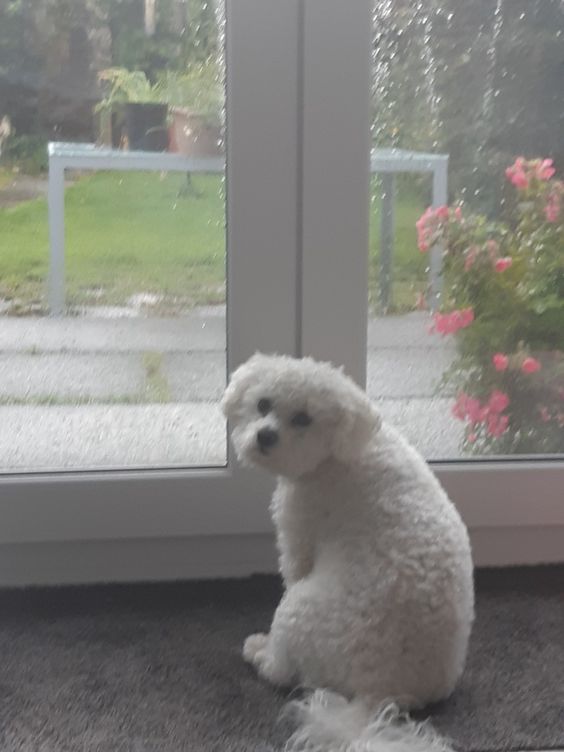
{"x": 147, "y": 203}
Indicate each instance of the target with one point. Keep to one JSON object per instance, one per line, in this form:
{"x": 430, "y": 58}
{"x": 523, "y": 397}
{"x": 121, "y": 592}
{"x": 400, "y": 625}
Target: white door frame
{"x": 262, "y": 242}
{"x": 491, "y": 495}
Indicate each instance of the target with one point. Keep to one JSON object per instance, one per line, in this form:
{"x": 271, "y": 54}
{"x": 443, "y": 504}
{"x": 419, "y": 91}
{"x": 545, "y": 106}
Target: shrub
{"x": 503, "y": 300}
{"x": 27, "y": 152}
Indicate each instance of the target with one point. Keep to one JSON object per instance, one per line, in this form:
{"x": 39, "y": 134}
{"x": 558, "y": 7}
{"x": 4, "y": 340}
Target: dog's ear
{"x": 240, "y": 379}
{"x": 358, "y": 421}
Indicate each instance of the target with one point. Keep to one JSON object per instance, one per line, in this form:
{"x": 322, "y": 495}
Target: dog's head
{"x": 289, "y": 415}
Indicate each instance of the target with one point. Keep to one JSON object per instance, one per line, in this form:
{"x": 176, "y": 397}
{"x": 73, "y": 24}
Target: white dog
{"x": 376, "y": 562}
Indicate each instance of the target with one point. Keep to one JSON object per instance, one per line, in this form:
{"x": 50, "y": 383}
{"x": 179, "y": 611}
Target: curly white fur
{"x": 378, "y": 603}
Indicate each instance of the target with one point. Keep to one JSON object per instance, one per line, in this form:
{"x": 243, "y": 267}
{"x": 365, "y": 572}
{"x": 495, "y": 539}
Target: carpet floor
{"x": 157, "y": 668}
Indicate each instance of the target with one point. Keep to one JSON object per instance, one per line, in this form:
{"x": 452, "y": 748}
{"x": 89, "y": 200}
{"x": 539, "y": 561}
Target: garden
{"x": 131, "y": 233}
{"x": 130, "y": 74}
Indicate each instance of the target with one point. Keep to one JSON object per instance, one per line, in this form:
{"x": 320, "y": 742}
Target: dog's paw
{"x": 254, "y": 645}
{"x": 257, "y": 653}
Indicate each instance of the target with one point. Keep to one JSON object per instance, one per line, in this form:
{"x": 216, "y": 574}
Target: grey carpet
{"x": 156, "y": 668}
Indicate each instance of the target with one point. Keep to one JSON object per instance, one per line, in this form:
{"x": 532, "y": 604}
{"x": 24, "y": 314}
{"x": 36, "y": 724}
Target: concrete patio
{"x": 119, "y": 391}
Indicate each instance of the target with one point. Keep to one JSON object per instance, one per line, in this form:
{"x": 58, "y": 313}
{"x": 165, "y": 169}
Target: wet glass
{"x": 112, "y": 269}
{"x": 466, "y": 329}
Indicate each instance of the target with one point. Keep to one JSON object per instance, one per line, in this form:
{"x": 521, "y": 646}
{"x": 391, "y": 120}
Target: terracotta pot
{"x": 192, "y": 136}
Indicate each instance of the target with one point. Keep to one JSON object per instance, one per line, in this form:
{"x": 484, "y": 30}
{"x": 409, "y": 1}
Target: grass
{"x": 409, "y": 275}
{"x": 156, "y": 386}
{"x": 124, "y": 234}
{"x": 127, "y": 233}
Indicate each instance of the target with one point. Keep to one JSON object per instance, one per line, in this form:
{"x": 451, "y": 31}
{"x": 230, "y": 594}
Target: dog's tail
{"x": 327, "y": 722}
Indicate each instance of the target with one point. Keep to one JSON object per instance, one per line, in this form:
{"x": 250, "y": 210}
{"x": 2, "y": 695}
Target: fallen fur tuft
{"x": 327, "y": 722}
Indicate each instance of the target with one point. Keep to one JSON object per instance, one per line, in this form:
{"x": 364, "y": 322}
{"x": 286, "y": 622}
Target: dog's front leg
{"x": 271, "y": 654}
{"x": 294, "y": 534}
{"x": 295, "y": 560}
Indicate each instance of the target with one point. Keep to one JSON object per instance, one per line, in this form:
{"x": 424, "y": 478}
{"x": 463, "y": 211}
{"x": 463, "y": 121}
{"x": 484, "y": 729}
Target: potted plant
{"x": 195, "y": 100}
{"x": 140, "y": 104}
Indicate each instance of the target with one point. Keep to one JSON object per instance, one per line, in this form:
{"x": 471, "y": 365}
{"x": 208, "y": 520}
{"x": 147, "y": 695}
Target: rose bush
{"x": 503, "y": 300}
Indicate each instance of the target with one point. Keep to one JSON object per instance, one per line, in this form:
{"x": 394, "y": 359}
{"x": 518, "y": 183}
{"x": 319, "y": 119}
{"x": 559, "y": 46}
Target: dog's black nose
{"x": 266, "y": 438}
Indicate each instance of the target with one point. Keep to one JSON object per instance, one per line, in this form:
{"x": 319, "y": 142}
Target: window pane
{"x": 112, "y": 299}
{"x": 466, "y": 336}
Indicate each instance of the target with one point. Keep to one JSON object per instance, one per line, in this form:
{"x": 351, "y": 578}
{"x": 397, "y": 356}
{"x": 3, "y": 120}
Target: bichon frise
{"x": 376, "y": 562}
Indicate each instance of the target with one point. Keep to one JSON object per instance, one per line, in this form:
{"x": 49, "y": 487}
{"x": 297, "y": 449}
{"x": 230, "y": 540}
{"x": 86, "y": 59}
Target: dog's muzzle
{"x": 266, "y": 439}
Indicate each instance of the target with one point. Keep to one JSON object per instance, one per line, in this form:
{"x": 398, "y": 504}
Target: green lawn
{"x": 409, "y": 276}
{"x": 128, "y": 233}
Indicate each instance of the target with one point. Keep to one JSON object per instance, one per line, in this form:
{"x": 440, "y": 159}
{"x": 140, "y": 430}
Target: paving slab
{"x": 405, "y": 330}
{"x": 195, "y": 376}
{"x": 71, "y": 376}
{"x": 405, "y": 373}
{"x": 426, "y": 423}
{"x": 106, "y": 437}
{"x": 195, "y": 331}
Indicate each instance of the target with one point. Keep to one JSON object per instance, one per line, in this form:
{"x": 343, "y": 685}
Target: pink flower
{"x": 450, "y": 323}
{"x": 498, "y": 401}
{"x": 552, "y": 208}
{"x": 468, "y": 407}
{"x": 500, "y": 361}
{"x": 516, "y": 174}
{"x": 427, "y": 228}
{"x": 522, "y": 171}
{"x": 544, "y": 169}
{"x": 459, "y": 408}
{"x": 474, "y": 411}
{"x": 454, "y": 321}
{"x": 503, "y": 263}
{"x": 497, "y": 425}
{"x": 530, "y": 365}
{"x": 432, "y": 222}
{"x": 466, "y": 317}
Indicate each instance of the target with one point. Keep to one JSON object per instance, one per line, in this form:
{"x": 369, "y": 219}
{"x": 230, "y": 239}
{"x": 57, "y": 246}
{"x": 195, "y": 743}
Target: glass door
{"x": 148, "y": 244}
{"x": 434, "y": 204}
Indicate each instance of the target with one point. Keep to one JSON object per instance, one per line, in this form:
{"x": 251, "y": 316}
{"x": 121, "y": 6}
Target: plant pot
{"x": 192, "y": 135}
{"x": 146, "y": 126}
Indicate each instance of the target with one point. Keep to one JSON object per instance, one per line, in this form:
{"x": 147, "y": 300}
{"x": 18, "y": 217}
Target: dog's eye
{"x": 264, "y": 406}
{"x": 301, "y": 419}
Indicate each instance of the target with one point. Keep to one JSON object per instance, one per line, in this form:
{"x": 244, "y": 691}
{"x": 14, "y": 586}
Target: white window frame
{"x": 515, "y": 508}
{"x": 60, "y": 527}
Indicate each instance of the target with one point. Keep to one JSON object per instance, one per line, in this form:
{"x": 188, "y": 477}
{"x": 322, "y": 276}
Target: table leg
{"x": 386, "y": 240}
{"x": 56, "y": 200}
{"x": 440, "y": 198}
